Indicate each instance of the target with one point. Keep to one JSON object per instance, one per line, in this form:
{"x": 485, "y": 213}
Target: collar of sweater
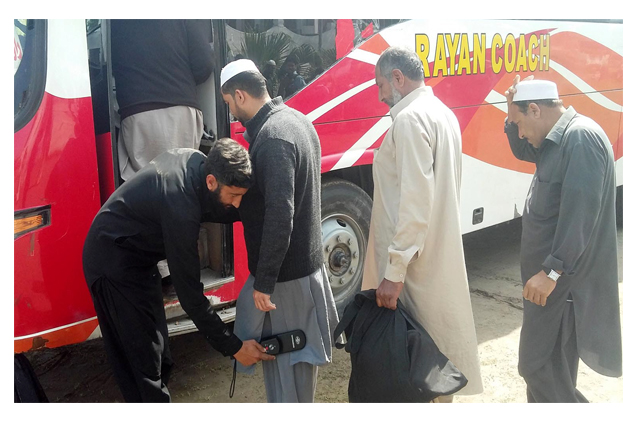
{"x": 254, "y": 125}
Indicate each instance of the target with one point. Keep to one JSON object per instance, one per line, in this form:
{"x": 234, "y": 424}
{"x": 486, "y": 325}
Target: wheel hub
{"x": 341, "y": 252}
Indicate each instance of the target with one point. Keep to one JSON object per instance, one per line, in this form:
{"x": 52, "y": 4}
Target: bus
{"x": 66, "y": 125}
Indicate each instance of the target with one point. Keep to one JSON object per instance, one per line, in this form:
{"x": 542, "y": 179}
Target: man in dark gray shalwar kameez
{"x": 569, "y": 249}
{"x": 288, "y": 288}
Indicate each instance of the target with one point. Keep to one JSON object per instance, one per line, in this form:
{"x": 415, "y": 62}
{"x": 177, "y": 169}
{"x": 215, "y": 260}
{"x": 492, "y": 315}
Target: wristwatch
{"x": 553, "y": 275}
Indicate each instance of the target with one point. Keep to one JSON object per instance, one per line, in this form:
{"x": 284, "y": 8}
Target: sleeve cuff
{"x": 263, "y": 287}
{"x": 395, "y": 273}
{"x": 552, "y": 262}
{"x": 231, "y": 346}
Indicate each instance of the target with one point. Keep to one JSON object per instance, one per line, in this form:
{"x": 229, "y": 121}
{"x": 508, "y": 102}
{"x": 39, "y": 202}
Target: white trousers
{"x": 145, "y": 135}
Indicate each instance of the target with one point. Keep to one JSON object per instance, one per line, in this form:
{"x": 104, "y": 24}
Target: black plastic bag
{"x": 393, "y": 358}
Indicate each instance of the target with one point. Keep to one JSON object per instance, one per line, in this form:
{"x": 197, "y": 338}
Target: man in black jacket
{"x": 288, "y": 288}
{"x": 157, "y": 215}
{"x": 157, "y": 64}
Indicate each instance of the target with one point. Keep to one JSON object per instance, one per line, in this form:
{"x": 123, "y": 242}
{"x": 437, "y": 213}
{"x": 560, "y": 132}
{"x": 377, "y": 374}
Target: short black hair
{"x": 401, "y": 58}
{"x": 523, "y": 105}
{"x": 229, "y": 163}
{"x": 251, "y": 82}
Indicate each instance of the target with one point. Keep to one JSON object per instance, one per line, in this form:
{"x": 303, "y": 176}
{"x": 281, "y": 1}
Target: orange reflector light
{"x": 26, "y": 224}
{"x": 28, "y": 221}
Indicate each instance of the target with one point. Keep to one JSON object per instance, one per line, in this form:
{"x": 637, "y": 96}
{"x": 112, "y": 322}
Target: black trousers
{"x": 134, "y": 331}
{"x": 555, "y": 381}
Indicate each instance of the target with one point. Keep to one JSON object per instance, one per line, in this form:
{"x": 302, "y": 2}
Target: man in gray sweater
{"x": 288, "y": 288}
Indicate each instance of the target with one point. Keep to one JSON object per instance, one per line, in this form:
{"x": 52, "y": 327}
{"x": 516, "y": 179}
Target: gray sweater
{"x": 281, "y": 212}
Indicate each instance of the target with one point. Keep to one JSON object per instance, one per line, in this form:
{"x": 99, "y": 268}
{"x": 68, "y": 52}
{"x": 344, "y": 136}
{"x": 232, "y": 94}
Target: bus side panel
{"x": 618, "y": 155}
{"x": 469, "y": 65}
{"x": 55, "y": 167}
{"x": 229, "y": 292}
{"x": 240, "y": 262}
{"x": 55, "y": 164}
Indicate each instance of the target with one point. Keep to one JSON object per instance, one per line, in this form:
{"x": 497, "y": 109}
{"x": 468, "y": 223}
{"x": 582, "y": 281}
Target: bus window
{"x": 291, "y": 53}
{"x": 29, "y": 68}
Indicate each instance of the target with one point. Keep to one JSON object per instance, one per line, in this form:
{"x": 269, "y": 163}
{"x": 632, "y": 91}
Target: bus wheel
{"x": 346, "y": 211}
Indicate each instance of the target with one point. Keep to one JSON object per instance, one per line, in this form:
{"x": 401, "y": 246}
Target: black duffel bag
{"x": 393, "y": 358}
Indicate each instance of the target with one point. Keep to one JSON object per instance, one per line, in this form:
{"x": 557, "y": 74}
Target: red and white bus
{"x": 66, "y": 126}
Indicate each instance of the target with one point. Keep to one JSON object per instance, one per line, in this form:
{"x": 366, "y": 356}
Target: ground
{"x": 80, "y": 373}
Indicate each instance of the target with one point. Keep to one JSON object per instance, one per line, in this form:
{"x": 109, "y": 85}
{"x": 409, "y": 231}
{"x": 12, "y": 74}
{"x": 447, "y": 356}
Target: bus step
{"x": 183, "y": 325}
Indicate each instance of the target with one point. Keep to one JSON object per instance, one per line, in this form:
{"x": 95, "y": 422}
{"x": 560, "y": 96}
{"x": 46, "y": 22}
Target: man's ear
{"x": 239, "y": 97}
{"x": 398, "y": 77}
{"x": 212, "y": 183}
{"x": 534, "y": 109}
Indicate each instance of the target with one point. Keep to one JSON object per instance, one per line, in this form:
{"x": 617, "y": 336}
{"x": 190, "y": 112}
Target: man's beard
{"x": 396, "y": 97}
{"x": 240, "y": 115}
{"x": 242, "y": 118}
{"x": 214, "y": 199}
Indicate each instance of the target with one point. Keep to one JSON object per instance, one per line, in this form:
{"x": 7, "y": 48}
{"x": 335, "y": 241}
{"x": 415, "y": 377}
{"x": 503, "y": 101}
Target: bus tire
{"x": 346, "y": 211}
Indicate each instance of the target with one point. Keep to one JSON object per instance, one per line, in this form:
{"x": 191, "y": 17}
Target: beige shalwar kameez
{"x": 415, "y": 234}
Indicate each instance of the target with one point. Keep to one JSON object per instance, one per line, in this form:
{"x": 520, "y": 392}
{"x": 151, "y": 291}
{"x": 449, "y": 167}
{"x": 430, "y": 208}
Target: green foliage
{"x": 308, "y": 59}
{"x": 328, "y": 57}
{"x": 261, "y": 47}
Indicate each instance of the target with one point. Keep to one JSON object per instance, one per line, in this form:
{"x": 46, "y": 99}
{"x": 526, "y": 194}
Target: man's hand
{"x": 387, "y": 294}
{"x": 538, "y": 288}
{"x": 511, "y": 91}
{"x": 251, "y": 353}
{"x": 263, "y": 301}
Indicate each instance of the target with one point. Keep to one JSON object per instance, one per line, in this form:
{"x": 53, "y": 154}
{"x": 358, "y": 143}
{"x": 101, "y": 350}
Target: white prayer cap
{"x": 535, "y": 90}
{"x": 236, "y": 67}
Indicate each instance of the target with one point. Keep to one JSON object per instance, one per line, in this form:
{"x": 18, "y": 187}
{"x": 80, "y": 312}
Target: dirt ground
{"x": 81, "y": 373}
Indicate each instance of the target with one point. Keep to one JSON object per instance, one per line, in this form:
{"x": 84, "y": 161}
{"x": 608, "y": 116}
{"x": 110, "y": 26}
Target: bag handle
{"x": 351, "y": 312}
{"x": 347, "y": 317}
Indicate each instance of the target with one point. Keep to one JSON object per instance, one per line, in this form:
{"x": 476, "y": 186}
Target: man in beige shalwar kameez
{"x": 415, "y": 248}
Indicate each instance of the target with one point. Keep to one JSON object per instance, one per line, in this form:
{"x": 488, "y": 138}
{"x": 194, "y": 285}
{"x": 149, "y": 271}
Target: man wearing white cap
{"x": 569, "y": 249}
{"x": 288, "y": 288}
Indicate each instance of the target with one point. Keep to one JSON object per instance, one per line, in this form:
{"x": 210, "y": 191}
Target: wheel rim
{"x": 343, "y": 249}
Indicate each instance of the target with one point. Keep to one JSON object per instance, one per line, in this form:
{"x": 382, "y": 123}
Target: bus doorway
{"x": 215, "y": 245}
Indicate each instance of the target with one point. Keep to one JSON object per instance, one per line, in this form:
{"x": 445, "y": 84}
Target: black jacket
{"x": 156, "y": 215}
{"x": 157, "y": 63}
{"x": 281, "y": 212}
{"x": 393, "y": 358}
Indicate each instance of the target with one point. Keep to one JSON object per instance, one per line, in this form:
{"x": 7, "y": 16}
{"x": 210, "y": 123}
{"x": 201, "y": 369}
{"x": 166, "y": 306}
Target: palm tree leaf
{"x": 261, "y": 47}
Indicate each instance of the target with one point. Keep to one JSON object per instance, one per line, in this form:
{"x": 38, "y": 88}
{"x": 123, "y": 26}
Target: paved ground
{"x": 81, "y": 374}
